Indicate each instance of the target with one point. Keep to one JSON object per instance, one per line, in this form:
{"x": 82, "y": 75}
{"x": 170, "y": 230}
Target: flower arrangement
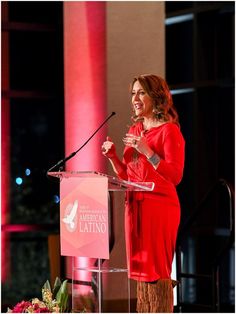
{"x": 53, "y": 300}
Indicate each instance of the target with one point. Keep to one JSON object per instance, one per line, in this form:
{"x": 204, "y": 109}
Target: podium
{"x": 84, "y": 224}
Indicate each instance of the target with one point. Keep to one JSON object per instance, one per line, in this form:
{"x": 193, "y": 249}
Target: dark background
{"x": 200, "y": 71}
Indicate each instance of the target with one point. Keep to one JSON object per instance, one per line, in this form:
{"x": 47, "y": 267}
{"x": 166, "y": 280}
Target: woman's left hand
{"x": 139, "y": 143}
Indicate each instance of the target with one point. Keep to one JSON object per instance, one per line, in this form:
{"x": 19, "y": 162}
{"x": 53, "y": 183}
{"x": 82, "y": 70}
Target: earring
{"x": 157, "y": 113}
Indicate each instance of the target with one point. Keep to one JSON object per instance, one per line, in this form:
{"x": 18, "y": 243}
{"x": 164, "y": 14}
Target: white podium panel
{"x": 97, "y": 298}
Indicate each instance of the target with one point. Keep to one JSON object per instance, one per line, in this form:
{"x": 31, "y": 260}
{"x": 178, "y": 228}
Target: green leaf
{"x": 64, "y": 301}
{"x": 63, "y": 287}
{"x": 62, "y": 296}
{"x": 56, "y": 287}
{"x": 47, "y": 286}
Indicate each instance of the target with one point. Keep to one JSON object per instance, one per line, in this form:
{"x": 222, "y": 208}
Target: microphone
{"x": 63, "y": 161}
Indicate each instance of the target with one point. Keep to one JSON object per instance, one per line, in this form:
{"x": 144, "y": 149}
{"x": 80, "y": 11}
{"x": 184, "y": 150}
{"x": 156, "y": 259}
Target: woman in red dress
{"x": 154, "y": 152}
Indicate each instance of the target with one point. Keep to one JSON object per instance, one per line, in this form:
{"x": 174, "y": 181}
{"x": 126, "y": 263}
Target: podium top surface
{"x": 114, "y": 184}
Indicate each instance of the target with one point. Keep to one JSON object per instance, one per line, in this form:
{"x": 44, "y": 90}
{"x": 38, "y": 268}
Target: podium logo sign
{"x": 84, "y": 217}
{"x": 70, "y": 218}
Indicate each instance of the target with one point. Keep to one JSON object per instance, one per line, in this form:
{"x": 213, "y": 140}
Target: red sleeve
{"x": 172, "y": 165}
{"x": 122, "y": 175}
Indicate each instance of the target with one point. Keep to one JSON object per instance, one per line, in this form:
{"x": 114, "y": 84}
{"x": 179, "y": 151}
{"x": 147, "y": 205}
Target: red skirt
{"x": 151, "y": 226}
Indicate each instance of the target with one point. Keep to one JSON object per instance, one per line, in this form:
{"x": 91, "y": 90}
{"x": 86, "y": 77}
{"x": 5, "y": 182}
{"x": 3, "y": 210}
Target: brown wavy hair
{"x": 157, "y": 88}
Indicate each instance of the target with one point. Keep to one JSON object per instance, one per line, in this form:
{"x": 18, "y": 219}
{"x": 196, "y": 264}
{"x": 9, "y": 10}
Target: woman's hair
{"x": 157, "y": 88}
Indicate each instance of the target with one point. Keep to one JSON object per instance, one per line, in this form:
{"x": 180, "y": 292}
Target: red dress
{"x": 152, "y": 218}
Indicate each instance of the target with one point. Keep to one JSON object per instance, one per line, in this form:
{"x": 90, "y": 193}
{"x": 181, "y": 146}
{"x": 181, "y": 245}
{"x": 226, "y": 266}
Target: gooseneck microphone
{"x": 63, "y": 161}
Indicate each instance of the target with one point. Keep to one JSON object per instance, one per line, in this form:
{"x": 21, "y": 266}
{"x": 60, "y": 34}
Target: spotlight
{"x": 27, "y": 172}
{"x": 19, "y": 181}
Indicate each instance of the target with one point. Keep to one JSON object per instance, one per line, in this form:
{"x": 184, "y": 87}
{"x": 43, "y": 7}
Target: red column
{"x": 85, "y": 88}
{"x": 84, "y": 82}
{"x": 5, "y": 148}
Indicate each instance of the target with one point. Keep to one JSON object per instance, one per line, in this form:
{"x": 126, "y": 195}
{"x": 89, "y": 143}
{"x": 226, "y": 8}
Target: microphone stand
{"x": 63, "y": 161}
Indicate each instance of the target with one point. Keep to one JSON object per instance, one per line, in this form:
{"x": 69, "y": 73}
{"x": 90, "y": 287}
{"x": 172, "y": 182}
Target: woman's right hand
{"x": 108, "y": 148}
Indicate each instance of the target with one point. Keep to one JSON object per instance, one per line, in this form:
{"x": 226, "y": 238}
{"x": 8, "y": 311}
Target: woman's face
{"x": 141, "y": 101}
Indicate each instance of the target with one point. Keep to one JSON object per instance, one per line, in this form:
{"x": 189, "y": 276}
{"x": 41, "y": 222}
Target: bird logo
{"x": 70, "y": 216}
